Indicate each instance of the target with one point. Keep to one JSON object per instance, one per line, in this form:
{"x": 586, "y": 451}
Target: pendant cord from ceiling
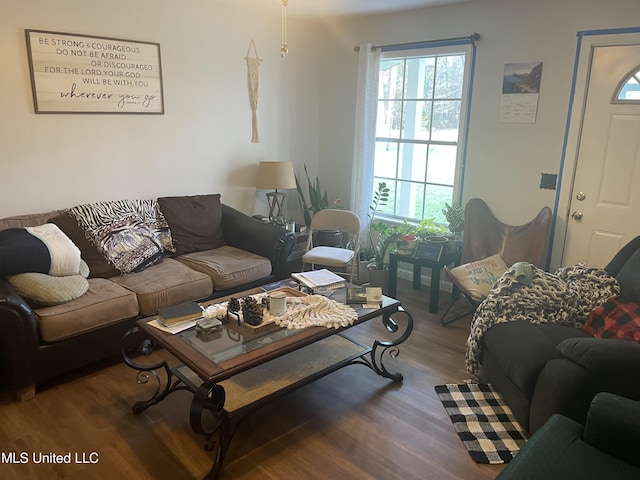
{"x": 284, "y": 47}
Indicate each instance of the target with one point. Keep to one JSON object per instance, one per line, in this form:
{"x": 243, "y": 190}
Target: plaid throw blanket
{"x": 617, "y": 318}
{"x": 566, "y": 297}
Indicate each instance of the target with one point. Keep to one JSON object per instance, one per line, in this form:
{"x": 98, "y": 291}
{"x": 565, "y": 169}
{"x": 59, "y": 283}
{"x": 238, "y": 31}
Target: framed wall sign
{"x": 73, "y": 73}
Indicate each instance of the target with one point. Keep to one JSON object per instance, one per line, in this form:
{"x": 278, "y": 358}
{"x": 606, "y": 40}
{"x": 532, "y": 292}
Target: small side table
{"x": 449, "y": 258}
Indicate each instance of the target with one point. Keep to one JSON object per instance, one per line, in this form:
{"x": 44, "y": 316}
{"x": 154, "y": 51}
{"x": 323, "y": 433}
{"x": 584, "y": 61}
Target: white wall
{"x": 306, "y": 106}
{"x": 504, "y": 161}
{"x": 200, "y": 145}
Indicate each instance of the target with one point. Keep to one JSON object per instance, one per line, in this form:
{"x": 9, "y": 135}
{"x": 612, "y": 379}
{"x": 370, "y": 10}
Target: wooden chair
{"x": 334, "y": 219}
{"x": 485, "y": 236}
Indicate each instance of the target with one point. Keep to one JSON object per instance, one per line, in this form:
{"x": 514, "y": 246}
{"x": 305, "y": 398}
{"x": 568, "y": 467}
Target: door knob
{"x": 580, "y": 196}
{"x": 577, "y": 215}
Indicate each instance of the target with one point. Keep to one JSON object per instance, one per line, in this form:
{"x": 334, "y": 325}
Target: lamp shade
{"x": 276, "y": 175}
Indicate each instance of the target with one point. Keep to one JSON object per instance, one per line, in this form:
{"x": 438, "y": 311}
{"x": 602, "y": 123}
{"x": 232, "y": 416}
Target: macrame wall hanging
{"x": 253, "y": 65}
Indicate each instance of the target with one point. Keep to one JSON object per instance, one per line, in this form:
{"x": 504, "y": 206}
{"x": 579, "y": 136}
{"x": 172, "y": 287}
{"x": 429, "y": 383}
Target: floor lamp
{"x": 276, "y": 175}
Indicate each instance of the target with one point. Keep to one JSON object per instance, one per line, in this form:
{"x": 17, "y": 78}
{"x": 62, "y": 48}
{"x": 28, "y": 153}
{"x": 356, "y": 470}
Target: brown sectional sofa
{"x": 38, "y": 343}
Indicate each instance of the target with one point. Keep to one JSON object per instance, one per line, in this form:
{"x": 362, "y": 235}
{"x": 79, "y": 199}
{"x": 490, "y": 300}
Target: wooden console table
{"x": 436, "y": 266}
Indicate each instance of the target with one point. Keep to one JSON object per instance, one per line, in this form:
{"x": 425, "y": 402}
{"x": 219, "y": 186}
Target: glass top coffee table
{"x": 233, "y": 371}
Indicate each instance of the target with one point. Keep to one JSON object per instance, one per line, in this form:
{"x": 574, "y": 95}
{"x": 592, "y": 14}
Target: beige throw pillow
{"x": 47, "y": 290}
{"x": 477, "y": 278}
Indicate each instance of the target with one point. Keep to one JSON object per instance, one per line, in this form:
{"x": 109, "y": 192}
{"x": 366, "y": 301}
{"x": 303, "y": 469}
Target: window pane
{"x": 385, "y": 161}
{"x": 446, "y": 118}
{"x": 417, "y": 120}
{"x": 429, "y": 71}
{"x": 436, "y": 196}
{"x": 389, "y": 118}
{"x": 631, "y": 88}
{"x": 419, "y": 77}
{"x": 391, "y": 79}
{"x": 427, "y": 114}
{"x": 442, "y": 164}
{"x": 449, "y": 76}
{"x": 409, "y": 200}
{"x": 412, "y": 162}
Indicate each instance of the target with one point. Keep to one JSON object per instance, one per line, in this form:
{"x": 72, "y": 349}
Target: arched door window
{"x": 629, "y": 89}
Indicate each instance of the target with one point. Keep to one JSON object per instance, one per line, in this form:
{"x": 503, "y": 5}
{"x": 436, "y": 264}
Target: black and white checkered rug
{"x": 483, "y": 421}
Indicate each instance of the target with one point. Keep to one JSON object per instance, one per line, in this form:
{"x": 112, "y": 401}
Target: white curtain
{"x": 364, "y": 136}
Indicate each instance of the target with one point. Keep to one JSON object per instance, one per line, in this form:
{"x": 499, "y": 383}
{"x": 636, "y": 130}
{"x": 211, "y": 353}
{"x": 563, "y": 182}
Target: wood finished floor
{"x": 351, "y": 424}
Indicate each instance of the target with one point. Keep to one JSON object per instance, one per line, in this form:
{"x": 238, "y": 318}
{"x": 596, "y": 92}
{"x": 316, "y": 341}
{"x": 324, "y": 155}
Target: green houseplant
{"x": 318, "y": 199}
{"x": 380, "y": 199}
{"x": 428, "y": 228}
{"x": 454, "y": 214}
{"x": 387, "y": 237}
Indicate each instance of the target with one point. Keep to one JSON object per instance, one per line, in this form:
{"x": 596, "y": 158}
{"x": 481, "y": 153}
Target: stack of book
{"x": 315, "y": 279}
{"x": 170, "y": 316}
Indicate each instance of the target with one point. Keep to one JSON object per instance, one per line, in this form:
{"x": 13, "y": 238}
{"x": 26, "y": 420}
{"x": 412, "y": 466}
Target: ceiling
{"x": 359, "y": 7}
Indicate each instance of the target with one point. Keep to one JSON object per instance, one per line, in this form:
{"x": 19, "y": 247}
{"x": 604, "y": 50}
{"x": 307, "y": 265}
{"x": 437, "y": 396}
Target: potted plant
{"x": 377, "y": 269}
{"x": 380, "y": 199}
{"x": 428, "y": 228}
{"x": 372, "y": 255}
{"x": 454, "y": 214}
{"x": 387, "y": 236}
{"x": 407, "y": 243}
{"x": 318, "y": 200}
{"x": 365, "y": 256}
{"x": 368, "y": 252}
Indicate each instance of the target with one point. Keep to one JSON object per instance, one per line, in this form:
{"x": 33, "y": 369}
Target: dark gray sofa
{"x": 606, "y": 446}
{"x": 38, "y": 343}
{"x": 546, "y": 369}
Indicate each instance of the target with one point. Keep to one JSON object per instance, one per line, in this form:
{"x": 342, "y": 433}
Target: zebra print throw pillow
{"x": 131, "y": 234}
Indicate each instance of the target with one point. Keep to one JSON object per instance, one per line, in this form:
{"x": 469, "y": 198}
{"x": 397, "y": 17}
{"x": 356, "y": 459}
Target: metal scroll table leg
{"x": 218, "y": 436}
{"x": 135, "y": 343}
{"x": 381, "y": 349}
{"x": 393, "y": 275}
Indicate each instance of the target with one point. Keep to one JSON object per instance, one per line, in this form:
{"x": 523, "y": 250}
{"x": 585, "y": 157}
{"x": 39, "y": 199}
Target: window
{"x": 629, "y": 91}
{"x": 420, "y": 129}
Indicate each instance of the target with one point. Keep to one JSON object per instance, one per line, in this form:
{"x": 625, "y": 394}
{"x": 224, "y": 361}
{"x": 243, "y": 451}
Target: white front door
{"x": 604, "y": 208}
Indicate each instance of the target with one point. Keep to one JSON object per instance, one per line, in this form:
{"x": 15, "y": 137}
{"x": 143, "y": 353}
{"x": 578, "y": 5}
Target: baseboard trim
{"x": 425, "y": 279}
